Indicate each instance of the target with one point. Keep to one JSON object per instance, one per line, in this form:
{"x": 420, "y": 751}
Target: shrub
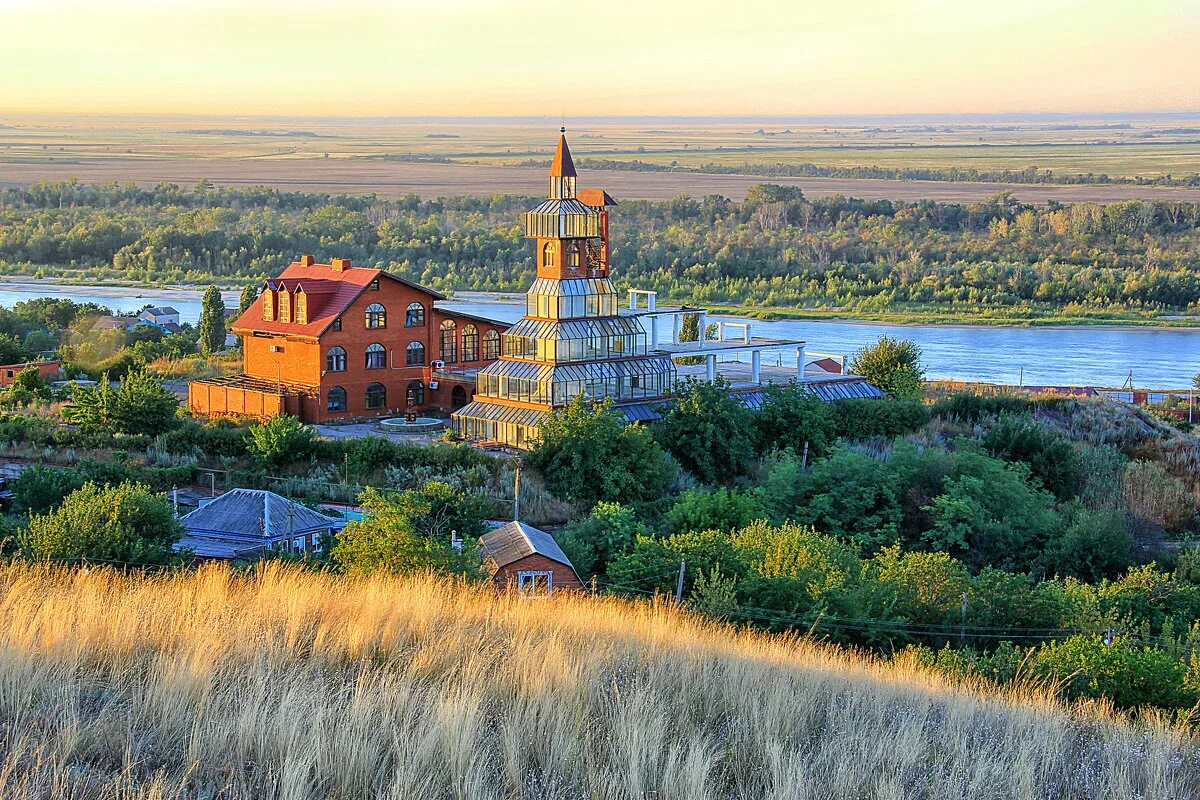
{"x": 388, "y": 540}
{"x": 126, "y": 523}
{"x": 587, "y": 454}
{"x": 1051, "y": 458}
{"x": 970, "y": 408}
{"x": 721, "y": 509}
{"x": 894, "y": 365}
{"x": 608, "y": 531}
{"x": 281, "y": 441}
{"x": 863, "y": 419}
{"x": 1129, "y": 674}
{"x": 793, "y": 418}
{"x": 708, "y": 432}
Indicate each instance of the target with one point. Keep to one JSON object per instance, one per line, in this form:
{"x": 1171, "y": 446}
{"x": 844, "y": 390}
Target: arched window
{"x": 414, "y": 354}
{"x": 337, "y": 399}
{"x": 415, "y": 391}
{"x": 414, "y": 316}
{"x": 458, "y": 398}
{"x": 335, "y": 360}
{"x": 449, "y": 351}
{"x": 572, "y": 254}
{"x": 376, "y": 356}
{"x": 491, "y": 346}
{"x": 470, "y": 343}
{"x": 376, "y": 397}
{"x": 548, "y": 254}
{"x": 376, "y": 316}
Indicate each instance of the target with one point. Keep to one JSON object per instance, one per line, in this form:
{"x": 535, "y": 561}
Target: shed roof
{"x": 255, "y": 512}
{"x": 513, "y": 541}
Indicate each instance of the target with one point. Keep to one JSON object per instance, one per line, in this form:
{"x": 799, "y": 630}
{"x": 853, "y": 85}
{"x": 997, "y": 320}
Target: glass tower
{"x": 572, "y": 340}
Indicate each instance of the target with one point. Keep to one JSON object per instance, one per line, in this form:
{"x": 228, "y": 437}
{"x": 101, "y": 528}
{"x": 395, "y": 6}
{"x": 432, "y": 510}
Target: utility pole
{"x": 517, "y": 494}
{"x": 962, "y": 631}
{"x": 679, "y": 584}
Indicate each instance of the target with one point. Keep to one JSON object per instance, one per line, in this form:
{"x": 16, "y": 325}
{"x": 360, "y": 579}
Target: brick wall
{"x": 564, "y": 579}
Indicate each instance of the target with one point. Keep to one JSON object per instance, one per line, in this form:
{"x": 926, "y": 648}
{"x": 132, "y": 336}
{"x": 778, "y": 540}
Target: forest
{"x": 775, "y": 250}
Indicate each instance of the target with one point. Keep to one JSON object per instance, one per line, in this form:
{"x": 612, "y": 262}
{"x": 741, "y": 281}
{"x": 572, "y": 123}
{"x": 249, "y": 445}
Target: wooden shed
{"x": 522, "y": 558}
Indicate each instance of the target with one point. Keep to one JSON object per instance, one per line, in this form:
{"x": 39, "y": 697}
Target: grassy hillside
{"x": 301, "y": 686}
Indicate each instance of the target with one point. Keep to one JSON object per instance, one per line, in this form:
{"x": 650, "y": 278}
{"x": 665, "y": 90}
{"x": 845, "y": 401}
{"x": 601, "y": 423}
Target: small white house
{"x": 159, "y": 315}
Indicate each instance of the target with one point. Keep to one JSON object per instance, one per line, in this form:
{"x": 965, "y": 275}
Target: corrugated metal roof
{"x": 213, "y": 547}
{"x": 570, "y": 287}
{"x": 576, "y": 328}
{"x": 255, "y": 512}
{"x": 495, "y": 412}
{"x": 642, "y": 412}
{"x": 593, "y": 370}
{"x": 516, "y": 540}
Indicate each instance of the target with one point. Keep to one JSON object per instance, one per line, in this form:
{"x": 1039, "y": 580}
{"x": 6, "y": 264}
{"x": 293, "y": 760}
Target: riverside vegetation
{"x": 998, "y": 260}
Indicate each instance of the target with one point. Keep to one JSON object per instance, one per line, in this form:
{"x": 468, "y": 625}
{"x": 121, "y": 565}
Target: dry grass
{"x": 291, "y": 685}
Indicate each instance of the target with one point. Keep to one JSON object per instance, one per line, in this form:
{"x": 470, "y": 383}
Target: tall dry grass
{"x": 292, "y": 685}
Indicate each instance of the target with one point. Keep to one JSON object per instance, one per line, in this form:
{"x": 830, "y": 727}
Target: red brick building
{"x": 521, "y": 558}
{"x": 334, "y": 341}
{"x": 48, "y": 370}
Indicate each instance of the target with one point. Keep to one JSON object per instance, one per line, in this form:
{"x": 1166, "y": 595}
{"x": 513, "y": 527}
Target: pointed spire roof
{"x": 562, "y": 166}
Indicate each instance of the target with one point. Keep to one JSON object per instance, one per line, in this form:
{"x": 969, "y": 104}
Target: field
{"x": 493, "y": 157}
{"x": 294, "y": 685}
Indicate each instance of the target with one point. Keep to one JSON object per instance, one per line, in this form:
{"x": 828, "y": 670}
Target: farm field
{"x": 484, "y": 157}
{"x": 391, "y": 179}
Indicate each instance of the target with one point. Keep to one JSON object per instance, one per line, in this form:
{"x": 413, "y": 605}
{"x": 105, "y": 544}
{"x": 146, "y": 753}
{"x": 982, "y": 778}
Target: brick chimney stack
{"x": 340, "y": 264}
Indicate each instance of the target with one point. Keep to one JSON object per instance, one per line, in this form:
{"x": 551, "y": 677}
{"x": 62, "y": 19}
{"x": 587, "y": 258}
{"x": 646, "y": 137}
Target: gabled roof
{"x": 596, "y": 198}
{"x": 157, "y": 310}
{"x": 330, "y": 292}
{"x": 513, "y": 541}
{"x": 256, "y": 513}
{"x": 562, "y": 166}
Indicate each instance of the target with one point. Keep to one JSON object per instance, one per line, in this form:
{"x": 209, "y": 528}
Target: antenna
{"x": 563, "y": 127}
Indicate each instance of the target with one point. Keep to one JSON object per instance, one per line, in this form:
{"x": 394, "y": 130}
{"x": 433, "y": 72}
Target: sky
{"x": 366, "y": 58}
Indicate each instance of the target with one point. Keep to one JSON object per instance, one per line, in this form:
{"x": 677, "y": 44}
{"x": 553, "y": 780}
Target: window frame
{"x": 375, "y": 352}
{"x": 527, "y": 582}
{"x": 412, "y": 320}
{"x": 375, "y": 320}
{"x": 448, "y": 350}
{"x": 381, "y": 393}
{"x": 333, "y": 357}
{"x": 410, "y": 349}
{"x": 345, "y": 405}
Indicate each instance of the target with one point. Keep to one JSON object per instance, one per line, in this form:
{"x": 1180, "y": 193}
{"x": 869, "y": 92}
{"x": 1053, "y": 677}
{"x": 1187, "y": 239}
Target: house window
{"x": 375, "y": 285}
{"x": 548, "y": 254}
{"x": 301, "y": 307}
{"x": 337, "y": 399}
{"x": 491, "y": 346}
{"x": 416, "y": 390}
{"x": 376, "y": 356}
{"x": 470, "y": 343}
{"x": 376, "y": 316}
{"x": 268, "y": 304}
{"x": 337, "y": 324}
{"x": 535, "y": 584}
{"x": 335, "y": 360}
{"x": 414, "y": 316}
{"x": 449, "y": 351}
{"x": 572, "y": 255}
{"x": 376, "y": 397}
{"x": 414, "y": 354}
{"x": 285, "y": 305}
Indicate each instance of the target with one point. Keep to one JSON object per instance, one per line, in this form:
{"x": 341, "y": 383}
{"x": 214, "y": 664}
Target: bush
{"x": 863, "y": 419}
{"x": 722, "y": 509}
{"x": 281, "y": 441}
{"x": 586, "y": 454}
{"x": 608, "y": 531}
{"x": 707, "y": 431}
{"x": 1051, "y": 458}
{"x": 792, "y": 418}
{"x": 220, "y": 438}
{"x": 1129, "y": 674}
{"x": 126, "y": 523}
{"x": 894, "y": 365}
{"x": 1090, "y": 544}
{"x": 970, "y": 408}
{"x": 140, "y": 405}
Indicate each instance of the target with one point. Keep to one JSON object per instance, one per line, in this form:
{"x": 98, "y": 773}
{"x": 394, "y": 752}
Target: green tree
{"x": 1051, "y": 458}
{"x": 248, "y": 296}
{"x": 140, "y": 405}
{"x": 212, "y": 322}
{"x": 1088, "y": 544}
{"x": 586, "y": 454}
{"x": 39, "y": 488}
{"x": 610, "y": 530}
{"x": 27, "y": 388}
{"x": 1126, "y": 672}
{"x": 708, "y": 431}
{"x": 436, "y": 510}
{"x": 126, "y": 522}
{"x": 894, "y": 365}
{"x": 280, "y": 441}
{"x": 387, "y": 540}
{"x": 792, "y": 417}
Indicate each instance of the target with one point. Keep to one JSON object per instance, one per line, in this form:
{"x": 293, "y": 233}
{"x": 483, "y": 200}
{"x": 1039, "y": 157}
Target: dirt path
{"x": 395, "y": 179}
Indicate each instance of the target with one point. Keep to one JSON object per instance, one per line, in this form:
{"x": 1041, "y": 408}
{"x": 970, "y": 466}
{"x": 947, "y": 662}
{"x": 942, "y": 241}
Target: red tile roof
{"x": 562, "y": 166}
{"x": 596, "y": 198}
{"x": 330, "y": 292}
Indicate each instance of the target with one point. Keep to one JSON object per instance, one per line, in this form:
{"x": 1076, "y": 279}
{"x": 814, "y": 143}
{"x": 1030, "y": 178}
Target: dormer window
{"x": 301, "y": 307}
{"x": 268, "y": 307}
{"x": 337, "y": 324}
{"x": 375, "y": 285}
{"x": 285, "y": 305}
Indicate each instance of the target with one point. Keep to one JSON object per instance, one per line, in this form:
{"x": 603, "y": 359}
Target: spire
{"x": 562, "y": 166}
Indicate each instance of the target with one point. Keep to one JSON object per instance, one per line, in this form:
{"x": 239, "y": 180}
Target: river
{"x": 1076, "y": 356}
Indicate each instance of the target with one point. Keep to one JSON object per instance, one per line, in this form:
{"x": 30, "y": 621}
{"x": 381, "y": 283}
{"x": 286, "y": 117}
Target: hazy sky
{"x": 544, "y": 57}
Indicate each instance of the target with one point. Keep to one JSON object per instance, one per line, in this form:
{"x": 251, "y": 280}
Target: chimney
{"x": 306, "y": 261}
{"x": 340, "y": 264}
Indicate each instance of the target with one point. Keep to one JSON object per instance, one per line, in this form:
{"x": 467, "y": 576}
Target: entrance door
{"x": 458, "y": 398}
